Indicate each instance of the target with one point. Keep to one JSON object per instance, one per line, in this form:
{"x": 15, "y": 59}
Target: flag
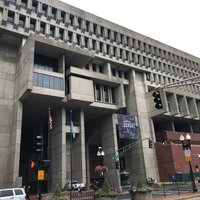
{"x": 73, "y": 130}
{"x": 50, "y": 120}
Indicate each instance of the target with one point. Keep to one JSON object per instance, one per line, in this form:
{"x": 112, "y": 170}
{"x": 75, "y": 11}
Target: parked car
{"x": 75, "y": 185}
{"x": 13, "y": 193}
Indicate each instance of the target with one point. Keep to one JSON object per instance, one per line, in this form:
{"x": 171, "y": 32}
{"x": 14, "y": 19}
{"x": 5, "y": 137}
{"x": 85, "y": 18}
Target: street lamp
{"x": 101, "y": 154}
{"x": 187, "y": 152}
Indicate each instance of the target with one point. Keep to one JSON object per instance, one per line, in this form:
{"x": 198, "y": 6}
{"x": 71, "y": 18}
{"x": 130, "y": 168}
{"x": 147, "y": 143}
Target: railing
{"x": 170, "y": 188}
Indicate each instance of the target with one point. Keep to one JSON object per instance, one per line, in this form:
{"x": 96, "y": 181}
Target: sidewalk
{"x": 179, "y": 197}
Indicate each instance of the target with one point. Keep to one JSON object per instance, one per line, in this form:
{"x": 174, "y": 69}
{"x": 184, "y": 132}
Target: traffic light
{"x": 117, "y": 164}
{"x": 38, "y": 143}
{"x": 157, "y": 100}
{"x": 33, "y": 164}
{"x": 150, "y": 143}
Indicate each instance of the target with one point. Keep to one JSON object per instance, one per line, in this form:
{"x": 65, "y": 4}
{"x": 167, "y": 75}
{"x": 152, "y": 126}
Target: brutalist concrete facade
{"x": 55, "y": 55}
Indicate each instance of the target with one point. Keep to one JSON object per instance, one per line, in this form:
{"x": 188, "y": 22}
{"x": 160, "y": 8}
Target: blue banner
{"x": 127, "y": 127}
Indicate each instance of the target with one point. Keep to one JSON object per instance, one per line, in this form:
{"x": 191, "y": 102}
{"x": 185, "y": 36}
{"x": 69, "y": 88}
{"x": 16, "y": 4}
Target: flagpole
{"x": 71, "y": 152}
{"x": 49, "y": 139}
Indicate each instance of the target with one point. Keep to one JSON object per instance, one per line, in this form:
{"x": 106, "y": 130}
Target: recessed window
{"x": 52, "y": 31}
{"x": 61, "y": 34}
{"x": 21, "y": 21}
{"x": 11, "y": 16}
{"x": 44, "y": 9}
{"x": 62, "y": 16}
{"x": 24, "y": 3}
{"x": 53, "y": 14}
{"x": 32, "y": 24}
{"x": 34, "y": 6}
{"x": 42, "y": 28}
{"x": 12, "y": 1}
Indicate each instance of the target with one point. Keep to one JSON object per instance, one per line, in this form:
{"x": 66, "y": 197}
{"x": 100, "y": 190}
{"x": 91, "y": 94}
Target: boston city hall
{"x": 98, "y": 80}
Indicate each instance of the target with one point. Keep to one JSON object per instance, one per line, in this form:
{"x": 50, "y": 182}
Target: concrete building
{"x": 88, "y": 69}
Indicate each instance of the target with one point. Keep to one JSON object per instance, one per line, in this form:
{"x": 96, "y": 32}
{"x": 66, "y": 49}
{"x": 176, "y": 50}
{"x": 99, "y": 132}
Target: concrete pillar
{"x": 110, "y": 146}
{"x": 79, "y": 152}
{"x": 57, "y": 139}
{"x": 15, "y": 142}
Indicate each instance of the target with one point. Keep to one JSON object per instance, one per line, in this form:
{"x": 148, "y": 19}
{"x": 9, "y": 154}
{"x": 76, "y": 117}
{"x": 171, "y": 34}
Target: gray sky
{"x": 173, "y": 22}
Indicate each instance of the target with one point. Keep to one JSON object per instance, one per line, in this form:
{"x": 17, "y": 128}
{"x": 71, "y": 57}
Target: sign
{"x": 40, "y": 175}
{"x": 127, "y": 127}
{"x": 187, "y": 154}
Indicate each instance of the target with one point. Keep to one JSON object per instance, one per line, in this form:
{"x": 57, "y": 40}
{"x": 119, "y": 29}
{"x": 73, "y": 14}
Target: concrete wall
{"x": 7, "y": 76}
{"x": 142, "y": 161}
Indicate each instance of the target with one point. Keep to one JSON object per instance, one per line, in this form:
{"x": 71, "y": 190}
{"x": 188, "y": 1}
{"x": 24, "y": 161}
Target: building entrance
{"x": 34, "y": 122}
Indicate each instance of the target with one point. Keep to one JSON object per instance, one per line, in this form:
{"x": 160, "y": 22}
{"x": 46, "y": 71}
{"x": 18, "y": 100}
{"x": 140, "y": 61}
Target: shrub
{"x": 141, "y": 188}
{"x": 106, "y": 191}
{"x": 57, "y": 195}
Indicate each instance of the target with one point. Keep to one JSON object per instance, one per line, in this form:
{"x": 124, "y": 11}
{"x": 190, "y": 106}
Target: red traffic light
{"x": 156, "y": 94}
{"x": 157, "y": 100}
{"x": 32, "y": 164}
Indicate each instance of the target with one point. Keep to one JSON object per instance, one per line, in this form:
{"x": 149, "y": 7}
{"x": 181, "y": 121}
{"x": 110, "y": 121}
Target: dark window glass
{"x": 6, "y": 193}
{"x": 21, "y": 21}
{"x": 57, "y": 83}
{"x": 32, "y": 24}
{"x": 10, "y": 17}
{"x": 12, "y": 1}
{"x": 23, "y": 3}
{"x": 98, "y": 93}
{"x": 106, "y": 95}
{"x": 35, "y": 79}
{"x": 113, "y": 95}
{"x": 43, "y": 80}
{"x": 46, "y": 81}
{"x": 45, "y": 63}
{"x": 40, "y": 80}
{"x": 18, "y": 192}
{"x": 34, "y": 6}
{"x": 67, "y": 86}
{"x": 51, "y": 80}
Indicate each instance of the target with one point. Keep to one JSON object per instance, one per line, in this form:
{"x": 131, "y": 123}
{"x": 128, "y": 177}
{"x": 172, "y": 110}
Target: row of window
{"x": 98, "y": 30}
{"x": 46, "y": 81}
{"x": 45, "y": 63}
{"x": 104, "y": 93}
{"x": 182, "y": 103}
{"x": 118, "y": 53}
{"x": 162, "y": 80}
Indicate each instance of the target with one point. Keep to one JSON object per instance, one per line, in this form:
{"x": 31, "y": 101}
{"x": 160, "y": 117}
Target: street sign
{"x": 40, "y": 175}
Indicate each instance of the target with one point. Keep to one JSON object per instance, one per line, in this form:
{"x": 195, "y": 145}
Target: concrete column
{"x": 57, "y": 138}
{"x": 79, "y": 152}
{"x": 15, "y": 142}
{"x": 146, "y": 164}
{"x": 110, "y": 146}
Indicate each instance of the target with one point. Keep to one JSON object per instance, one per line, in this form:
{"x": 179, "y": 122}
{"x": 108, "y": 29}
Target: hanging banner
{"x": 126, "y": 127}
{"x": 187, "y": 154}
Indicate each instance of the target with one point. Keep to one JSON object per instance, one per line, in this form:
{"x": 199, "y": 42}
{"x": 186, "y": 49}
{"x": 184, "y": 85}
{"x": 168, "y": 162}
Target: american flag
{"x": 50, "y": 120}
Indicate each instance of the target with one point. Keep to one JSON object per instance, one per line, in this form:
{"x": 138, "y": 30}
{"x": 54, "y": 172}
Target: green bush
{"x": 57, "y": 195}
{"x": 106, "y": 191}
{"x": 141, "y": 188}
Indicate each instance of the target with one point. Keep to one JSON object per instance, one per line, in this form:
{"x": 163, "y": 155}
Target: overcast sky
{"x": 173, "y": 22}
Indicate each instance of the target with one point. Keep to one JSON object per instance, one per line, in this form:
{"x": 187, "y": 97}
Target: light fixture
{"x": 182, "y": 138}
{"x": 188, "y": 136}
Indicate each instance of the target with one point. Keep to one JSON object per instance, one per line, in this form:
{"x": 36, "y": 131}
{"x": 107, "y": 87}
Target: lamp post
{"x": 101, "y": 154}
{"x": 187, "y": 152}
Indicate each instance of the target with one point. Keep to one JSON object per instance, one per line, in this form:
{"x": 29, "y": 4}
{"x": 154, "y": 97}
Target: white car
{"x": 13, "y": 193}
{"x": 75, "y": 185}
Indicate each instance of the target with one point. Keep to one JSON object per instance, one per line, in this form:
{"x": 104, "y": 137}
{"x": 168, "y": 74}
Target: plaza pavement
{"x": 191, "y": 196}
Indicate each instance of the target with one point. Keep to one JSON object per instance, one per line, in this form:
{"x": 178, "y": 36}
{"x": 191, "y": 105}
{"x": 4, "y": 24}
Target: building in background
{"x": 87, "y": 70}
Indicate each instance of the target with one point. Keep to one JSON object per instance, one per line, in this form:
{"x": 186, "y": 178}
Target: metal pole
{"x": 192, "y": 178}
{"x": 71, "y": 153}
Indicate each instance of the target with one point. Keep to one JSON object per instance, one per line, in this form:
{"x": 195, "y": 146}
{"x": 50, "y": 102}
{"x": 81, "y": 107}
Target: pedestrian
{"x": 173, "y": 178}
